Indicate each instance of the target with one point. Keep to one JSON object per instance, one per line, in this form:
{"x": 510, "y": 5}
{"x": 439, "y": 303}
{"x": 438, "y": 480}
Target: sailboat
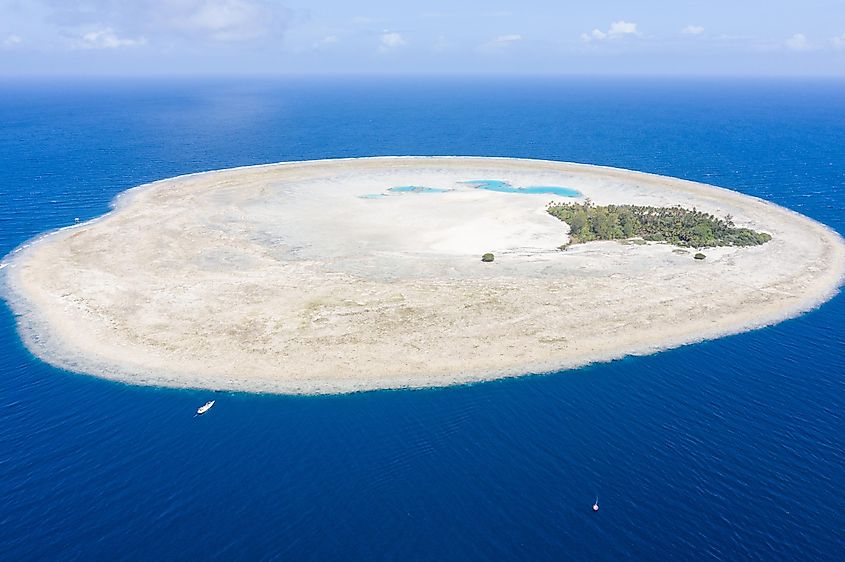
{"x": 205, "y": 407}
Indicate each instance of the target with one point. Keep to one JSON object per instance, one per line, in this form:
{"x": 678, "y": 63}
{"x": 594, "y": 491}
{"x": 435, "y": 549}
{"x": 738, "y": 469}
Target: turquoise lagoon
{"x": 505, "y": 187}
{"x": 416, "y": 189}
{"x": 404, "y": 189}
{"x": 487, "y": 185}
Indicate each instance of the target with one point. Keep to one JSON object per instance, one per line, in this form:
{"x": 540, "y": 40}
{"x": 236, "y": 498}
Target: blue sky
{"x": 142, "y": 37}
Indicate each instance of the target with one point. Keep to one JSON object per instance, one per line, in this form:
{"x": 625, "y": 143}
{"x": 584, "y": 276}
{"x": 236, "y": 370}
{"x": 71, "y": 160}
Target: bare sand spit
{"x": 281, "y": 278}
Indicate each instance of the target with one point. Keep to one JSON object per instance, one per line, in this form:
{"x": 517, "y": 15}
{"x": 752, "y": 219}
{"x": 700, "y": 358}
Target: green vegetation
{"x": 488, "y": 257}
{"x": 676, "y": 225}
{"x": 699, "y": 256}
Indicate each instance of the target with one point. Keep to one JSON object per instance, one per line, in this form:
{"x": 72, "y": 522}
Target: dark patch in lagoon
{"x": 404, "y": 189}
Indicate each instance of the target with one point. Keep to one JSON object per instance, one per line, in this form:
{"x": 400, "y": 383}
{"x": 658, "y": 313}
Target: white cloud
{"x": 441, "y": 44}
{"x": 327, "y": 41}
{"x": 799, "y": 42}
{"x": 12, "y": 40}
{"x": 507, "y": 39}
{"x": 500, "y": 43}
{"x": 391, "y": 40}
{"x": 596, "y": 34}
{"x": 622, "y": 27}
{"x": 617, "y": 29}
{"x": 168, "y": 20}
{"x": 839, "y": 42}
{"x": 693, "y": 30}
{"x": 223, "y": 20}
{"x": 106, "y": 38}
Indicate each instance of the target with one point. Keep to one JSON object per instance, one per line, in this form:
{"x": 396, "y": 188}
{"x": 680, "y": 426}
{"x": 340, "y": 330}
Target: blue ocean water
{"x": 731, "y": 449}
{"x": 506, "y": 187}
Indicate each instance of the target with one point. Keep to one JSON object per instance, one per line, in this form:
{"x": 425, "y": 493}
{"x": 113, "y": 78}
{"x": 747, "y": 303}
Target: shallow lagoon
{"x": 499, "y": 186}
{"x": 416, "y": 189}
{"x": 505, "y": 187}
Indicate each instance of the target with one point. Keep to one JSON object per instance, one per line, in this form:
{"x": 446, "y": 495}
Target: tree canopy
{"x": 675, "y": 225}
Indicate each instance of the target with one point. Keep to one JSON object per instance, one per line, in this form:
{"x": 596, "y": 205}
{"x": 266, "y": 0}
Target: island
{"x": 357, "y": 274}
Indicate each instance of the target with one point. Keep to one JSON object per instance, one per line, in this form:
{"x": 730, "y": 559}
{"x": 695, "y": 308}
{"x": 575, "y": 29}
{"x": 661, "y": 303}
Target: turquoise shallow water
{"x": 731, "y": 449}
{"x": 487, "y": 185}
{"x": 505, "y": 187}
{"x": 415, "y": 189}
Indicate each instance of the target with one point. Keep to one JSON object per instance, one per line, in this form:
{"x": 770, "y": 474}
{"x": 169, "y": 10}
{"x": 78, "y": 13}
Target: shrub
{"x": 488, "y": 257}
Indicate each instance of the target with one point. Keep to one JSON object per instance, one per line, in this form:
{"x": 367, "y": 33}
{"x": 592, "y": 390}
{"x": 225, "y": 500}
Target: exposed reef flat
{"x": 314, "y": 277}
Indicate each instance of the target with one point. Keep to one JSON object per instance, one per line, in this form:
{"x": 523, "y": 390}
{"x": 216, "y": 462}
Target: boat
{"x": 205, "y": 407}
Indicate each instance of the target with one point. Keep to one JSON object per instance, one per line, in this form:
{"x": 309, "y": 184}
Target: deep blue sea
{"x": 725, "y": 450}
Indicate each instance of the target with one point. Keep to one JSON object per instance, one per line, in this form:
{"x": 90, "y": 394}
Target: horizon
{"x": 239, "y": 38}
{"x": 394, "y": 76}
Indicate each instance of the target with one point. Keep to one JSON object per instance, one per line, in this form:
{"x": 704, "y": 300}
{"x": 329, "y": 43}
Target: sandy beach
{"x": 313, "y": 277}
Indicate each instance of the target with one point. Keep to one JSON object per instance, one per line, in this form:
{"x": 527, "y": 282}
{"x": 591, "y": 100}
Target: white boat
{"x": 205, "y": 407}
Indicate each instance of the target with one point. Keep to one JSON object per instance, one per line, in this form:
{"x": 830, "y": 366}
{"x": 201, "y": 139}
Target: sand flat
{"x": 283, "y": 278}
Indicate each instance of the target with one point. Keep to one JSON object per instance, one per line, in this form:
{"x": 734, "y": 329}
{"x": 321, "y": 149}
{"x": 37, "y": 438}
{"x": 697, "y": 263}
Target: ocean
{"x": 731, "y": 449}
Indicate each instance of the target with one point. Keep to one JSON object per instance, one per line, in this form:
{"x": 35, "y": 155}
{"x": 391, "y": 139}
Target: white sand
{"x": 280, "y": 278}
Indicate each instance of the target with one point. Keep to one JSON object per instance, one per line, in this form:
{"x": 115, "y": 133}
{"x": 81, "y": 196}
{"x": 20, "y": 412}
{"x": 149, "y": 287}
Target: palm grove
{"x": 675, "y": 225}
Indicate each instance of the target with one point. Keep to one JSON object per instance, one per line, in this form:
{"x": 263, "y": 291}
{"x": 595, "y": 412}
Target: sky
{"x": 247, "y": 37}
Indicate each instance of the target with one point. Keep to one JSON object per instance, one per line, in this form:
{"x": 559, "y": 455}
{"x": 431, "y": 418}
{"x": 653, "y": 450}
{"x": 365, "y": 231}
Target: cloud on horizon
{"x": 326, "y": 41}
{"x": 106, "y": 38}
{"x": 391, "y": 40}
{"x": 617, "y": 29}
{"x": 799, "y": 42}
{"x": 173, "y": 20}
{"x": 284, "y": 36}
{"x": 12, "y": 40}
{"x": 500, "y": 43}
{"x": 693, "y": 30}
